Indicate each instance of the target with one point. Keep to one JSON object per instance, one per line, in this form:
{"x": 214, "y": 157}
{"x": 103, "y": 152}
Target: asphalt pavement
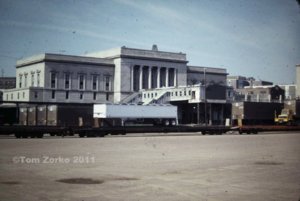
{"x": 152, "y": 167}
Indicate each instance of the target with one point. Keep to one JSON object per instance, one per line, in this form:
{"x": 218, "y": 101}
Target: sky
{"x": 257, "y": 38}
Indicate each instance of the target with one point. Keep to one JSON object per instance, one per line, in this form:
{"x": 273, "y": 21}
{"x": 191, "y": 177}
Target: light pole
{"x": 205, "y": 116}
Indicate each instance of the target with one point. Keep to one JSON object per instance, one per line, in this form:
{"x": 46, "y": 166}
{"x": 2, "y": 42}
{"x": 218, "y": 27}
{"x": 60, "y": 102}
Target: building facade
{"x": 62, "y": 78}
{"x": 123, "y": 75}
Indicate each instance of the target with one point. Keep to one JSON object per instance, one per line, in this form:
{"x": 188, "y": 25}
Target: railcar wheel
{"x": 24, "y": 135}
{"x": 18, "y": 135}
{"x": 40, "y": 135}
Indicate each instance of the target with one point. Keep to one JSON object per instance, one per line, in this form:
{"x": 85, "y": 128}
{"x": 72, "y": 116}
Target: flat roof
{"x": 210, "y": 70}
{"x": 49, "y": 57}
{"x": 134, "y": 53}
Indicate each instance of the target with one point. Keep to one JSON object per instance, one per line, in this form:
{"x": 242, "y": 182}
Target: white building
{"x": 114, "y": 75}
{"x": 120, "y": 75}
{"x": 62, "y": 78}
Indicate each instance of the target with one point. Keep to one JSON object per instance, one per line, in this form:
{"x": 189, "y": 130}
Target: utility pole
{"x": 205, "y": 105}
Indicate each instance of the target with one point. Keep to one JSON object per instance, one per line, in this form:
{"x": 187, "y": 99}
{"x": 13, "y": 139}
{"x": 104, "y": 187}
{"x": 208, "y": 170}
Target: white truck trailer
{"x": 154, "y": 114}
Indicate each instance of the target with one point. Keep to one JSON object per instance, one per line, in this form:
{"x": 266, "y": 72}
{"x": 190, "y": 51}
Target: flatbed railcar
{"x": 122, "y": 130}
{"x": 21, "y": 131}
{"x": 254, "y": 129}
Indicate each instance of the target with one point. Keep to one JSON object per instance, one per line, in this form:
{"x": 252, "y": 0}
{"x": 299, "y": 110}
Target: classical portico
{"x": 150, "y": 77}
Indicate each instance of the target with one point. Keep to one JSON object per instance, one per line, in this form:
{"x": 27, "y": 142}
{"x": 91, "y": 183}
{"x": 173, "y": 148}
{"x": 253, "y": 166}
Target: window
{"x": 38, "y": 79}
{"x": 11, "y": 96}
{"x": 20, "y": 81}
{"x": 67, "y": 95}
{"x": 53, "y": 80}
{"x": 107, "y": 96}
{"x": 67, "y": 80}
{"x": 18, "y": 95}
{"x": 81, "y": 95}
{"x": 35, "y": 94}
{"x": 94, "y": 82}
{"x": 193, "y": 95}
{"x": 25, "y": 81}
{"x": 23, "y": 94}
{"x": 32, "y": 79}
{"x": 81, "y": 81}
{"x": 107, "y": 83}
{"x": 53, "y": 94}
{"x": 95, "y": 95}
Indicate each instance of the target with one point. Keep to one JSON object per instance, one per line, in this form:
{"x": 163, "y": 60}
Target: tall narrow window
{"x": 32, "y": 79}
{"x": 53, "y": 80}
{"x": 95, "y": 96}
{"x": 20, "y": 81}
{"x": 53, "y": 94}
{"x": 67, "y": 95}
{"x": 25, "y": 80}
{"x": 67, "y": 81}
{"x": 81, "y": 95}
{"x": 94, "y": 82}
{"x": 107, "y": 83}
{"x": 81, "y": 81}
{"x": 38, "y": 79}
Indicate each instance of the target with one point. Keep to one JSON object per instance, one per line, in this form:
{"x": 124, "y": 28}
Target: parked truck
{"x": 286, "y": 117}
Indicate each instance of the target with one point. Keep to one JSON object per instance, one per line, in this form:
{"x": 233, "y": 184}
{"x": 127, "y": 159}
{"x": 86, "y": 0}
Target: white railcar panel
{"x": 134, "y": 111}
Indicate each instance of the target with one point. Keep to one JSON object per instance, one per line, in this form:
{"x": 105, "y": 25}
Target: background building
{"x": 298, "y": 81}
{"x": 6, "y": 83}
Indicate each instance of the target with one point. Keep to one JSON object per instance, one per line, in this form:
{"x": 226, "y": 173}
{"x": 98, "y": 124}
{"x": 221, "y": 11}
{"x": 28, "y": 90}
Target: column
{"x": 131, "y": 77}
{"x": 175, "y": 77}
{"x": 158, "y": 77}
{"x": 141, "y": 77}
{"x": 167, "y": 77}
{"x": 149, "y": 77}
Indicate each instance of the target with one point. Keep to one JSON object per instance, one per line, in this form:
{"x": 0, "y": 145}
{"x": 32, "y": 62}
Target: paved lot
{"x": 228, "y": 167}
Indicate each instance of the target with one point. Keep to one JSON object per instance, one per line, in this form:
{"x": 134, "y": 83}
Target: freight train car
{"x": 137, "y": 114}
{"x": 56, "y": 115}
{"x": 8, "y": 114}
{"x": 255, "y": 113}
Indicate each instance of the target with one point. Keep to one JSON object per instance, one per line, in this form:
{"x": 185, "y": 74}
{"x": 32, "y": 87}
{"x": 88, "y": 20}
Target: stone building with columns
{"x": 122, "y": 75}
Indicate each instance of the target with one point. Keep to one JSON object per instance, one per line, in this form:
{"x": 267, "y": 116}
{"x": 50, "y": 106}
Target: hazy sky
{"x": 259, "y": 38}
